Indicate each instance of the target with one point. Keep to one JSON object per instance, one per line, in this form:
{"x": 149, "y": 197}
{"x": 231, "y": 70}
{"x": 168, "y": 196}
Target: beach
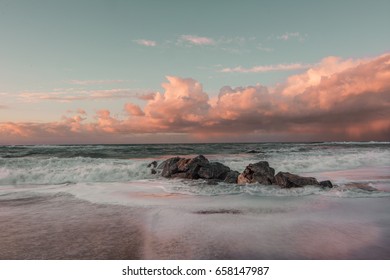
{"x": 78, "y": 206}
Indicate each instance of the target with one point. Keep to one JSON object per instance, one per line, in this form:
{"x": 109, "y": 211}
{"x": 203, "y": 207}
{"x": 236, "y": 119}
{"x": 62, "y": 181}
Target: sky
{"x": 117, "y": 71}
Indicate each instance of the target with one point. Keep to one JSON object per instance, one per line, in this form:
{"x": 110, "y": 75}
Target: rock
{"x": 259, "y": 172}
{"x": 252, "y": 152}
{"x": 213, "y": 170}
{"x": 182, "y": 164}
{"x": 326, "y": 184}
{"x": 193, "y": 166}
{"x": 288, "y": 180}
{"x": 242, "y": 180}
{"x": 152, "y": 164}
{"x": 231, "y": 177}
{"x": 177, "y": 167}
{"x": 152, "y": 167}
{"x": 169, "y": 167}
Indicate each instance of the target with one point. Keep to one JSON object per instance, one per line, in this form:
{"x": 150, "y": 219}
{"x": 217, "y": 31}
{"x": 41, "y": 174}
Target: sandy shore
{"x": 62, "y": 227}
{"x": 155, "y": 226}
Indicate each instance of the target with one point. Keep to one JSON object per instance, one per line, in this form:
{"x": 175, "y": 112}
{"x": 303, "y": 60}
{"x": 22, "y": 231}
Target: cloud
{"x": 133, "y": 110}
{"x": 197, "y": 40}
{"x": 266, "y": 68}
{"x": 334, "y": 100}
{"x": 290, "y": 35}
{"x": 94, "y": 82}
{"x": 147, "y": 96}
{"x": 68, "y": 95}
{"x": 147, "y": 43}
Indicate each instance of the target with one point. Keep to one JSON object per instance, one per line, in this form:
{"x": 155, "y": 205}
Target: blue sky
{"x": 55, "y": 55}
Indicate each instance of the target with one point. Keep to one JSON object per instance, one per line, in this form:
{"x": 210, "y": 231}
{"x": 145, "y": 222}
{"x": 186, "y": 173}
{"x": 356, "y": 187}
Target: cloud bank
{"x": 266, "y": 68}
{"x": 334, "y": 100}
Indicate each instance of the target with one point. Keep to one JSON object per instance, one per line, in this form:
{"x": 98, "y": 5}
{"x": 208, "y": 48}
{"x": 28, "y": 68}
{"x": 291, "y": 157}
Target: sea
{"x": 103, "y": 202}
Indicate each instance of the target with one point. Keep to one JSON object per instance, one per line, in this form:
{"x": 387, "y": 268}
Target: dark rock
{"x": 152, "y": 164}
{"x": 169, "y": 167}
{"x": 152, "y": 167}
{"x": 259, "y": 172}
{"x": 181, "y": 175}
{"x": 326, "y": 184}
{"x": 288, "y": 180}
{"x": 213, "y": 170}
{"x": 182, "y": 164}
{"x": 193, "y": 166}
{"x": 252, "y": 152}
{"x": 177, "y": 167}
{"x": 231, "y": 177}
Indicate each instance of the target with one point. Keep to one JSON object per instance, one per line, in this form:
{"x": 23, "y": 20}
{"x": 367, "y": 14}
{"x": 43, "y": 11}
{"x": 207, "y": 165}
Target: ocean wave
{"x": 54, "y": 171}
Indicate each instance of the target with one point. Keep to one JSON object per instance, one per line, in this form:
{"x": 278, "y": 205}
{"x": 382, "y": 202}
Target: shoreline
{"x": 61, "y": 226}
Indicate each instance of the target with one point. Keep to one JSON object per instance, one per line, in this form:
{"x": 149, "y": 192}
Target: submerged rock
{"x": 153, "y": 164}
{"x": 326, "y": 184}
{"x": 288, "y": 180}
{"x": 259, "y": 172}
{"x": 152, "y": 167}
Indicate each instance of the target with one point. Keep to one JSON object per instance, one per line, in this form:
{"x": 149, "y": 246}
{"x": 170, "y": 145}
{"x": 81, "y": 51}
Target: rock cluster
{"x": 200, "y": 168}
{"x": 196, "y": 168}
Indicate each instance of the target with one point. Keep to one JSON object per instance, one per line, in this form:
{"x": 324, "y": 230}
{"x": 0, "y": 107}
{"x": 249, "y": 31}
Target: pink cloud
{"x": 334, "y": 100}
{"x": 266, "y": 68}
{"x": 147, "y": 96}
{"x": 147, "y": 43}
{"x": 197, "y": 40}
{"x": 133, "y": 110}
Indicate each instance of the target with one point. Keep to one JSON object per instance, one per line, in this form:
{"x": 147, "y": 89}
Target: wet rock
{"x": 153, "y": 164}
{"x": 152, "y": 167}
{"x": 194, "y": 166}
{"x": 169, "y": 167}
{"x": 288, "y": 180}
{"x": 213, "y": 170}
{"x": 231, "y": 177}
{"x": 259, "y": 172}
{"x": 177, "y": 167}
{"x": 326, "y": 184}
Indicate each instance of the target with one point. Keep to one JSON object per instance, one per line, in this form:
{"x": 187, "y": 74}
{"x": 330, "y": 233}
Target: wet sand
{"x": 63, "y": 227}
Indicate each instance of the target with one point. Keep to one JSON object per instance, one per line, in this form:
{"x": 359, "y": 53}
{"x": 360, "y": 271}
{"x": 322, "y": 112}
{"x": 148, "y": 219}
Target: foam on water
{"x": 51, "y": 171}
{"x": 97, "y": 164}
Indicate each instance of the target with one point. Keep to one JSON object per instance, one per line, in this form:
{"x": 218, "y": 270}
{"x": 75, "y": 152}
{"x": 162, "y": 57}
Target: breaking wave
{"x": 54, "y": 171}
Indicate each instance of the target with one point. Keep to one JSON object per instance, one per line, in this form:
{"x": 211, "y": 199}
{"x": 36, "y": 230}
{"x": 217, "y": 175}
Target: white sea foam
{"x": 70, "y": 170}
